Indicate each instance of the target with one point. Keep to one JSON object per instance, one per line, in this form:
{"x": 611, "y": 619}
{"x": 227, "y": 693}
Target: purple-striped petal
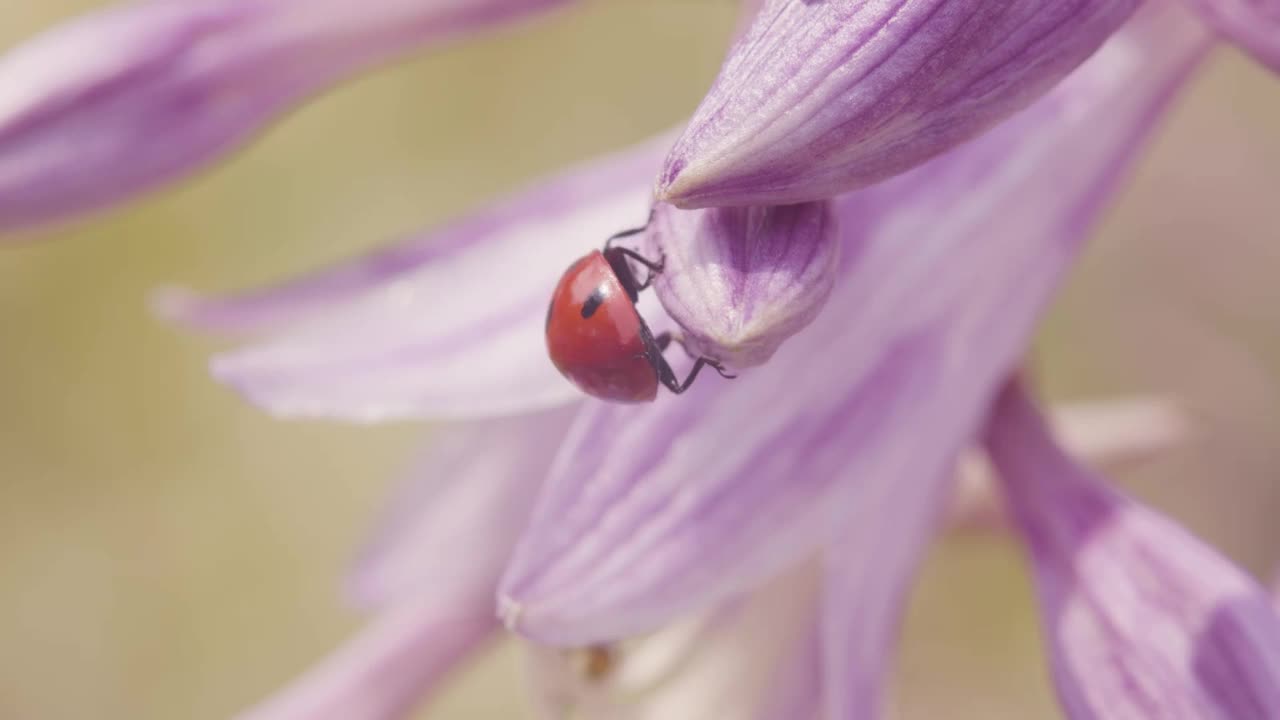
{"x": 1107, "y": 434}
{"x": 741, "y": 281}
{"x": 473, "y": 489}
{"x": 872, "y": 562}
{"x": 122, "y": 100}
{"x": 1142, "y": 619}
{"x": 652, "y": 511}
{"x": 446, "y": 325}
{"x": 824, "y": 97}
{"x": 1252, "y": 24}
{"x": 389, "y": 667}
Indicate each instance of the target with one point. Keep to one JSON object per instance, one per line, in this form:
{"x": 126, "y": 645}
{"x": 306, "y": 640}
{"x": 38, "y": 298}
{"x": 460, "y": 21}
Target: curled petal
{"x": 117, "y": 102}
{"x": 741, "y": 281}
{"x": 473, "y": 489}
{"x": 1143, "y": 620}
{"x": 381, "y": 674}
{"x": 1252, "y": 24}
{"x": 1108, "y": 434}
{"x": 651, "y": 512}
{"x": 823, "y": 97}
{"x": 438, "y": 326}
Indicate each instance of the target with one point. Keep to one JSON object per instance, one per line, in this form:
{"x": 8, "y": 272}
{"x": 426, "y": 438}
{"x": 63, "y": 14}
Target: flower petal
{"x": 886, "y": 526}
{"x": 445, "y": 325}
{"x": 651, "y": 512}
{"x": 391, "y": 666}
{"x": 741, "y": 281}
{"x": 1142, "y": 619}
{"x": 823, "y": 97}
{"x": 1108, "y": 434}
{"x": 1252, "y": 24}
{"x": 752, "y": 658}
{"x": 473, "y": 489}
{"x": 119, "y": 101}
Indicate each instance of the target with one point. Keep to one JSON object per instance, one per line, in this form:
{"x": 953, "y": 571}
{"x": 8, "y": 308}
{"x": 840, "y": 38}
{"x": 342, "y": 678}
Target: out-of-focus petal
{"x": 449, "y": 531}
{"x": 114, "y": 103}
{"x": 1252, "y": 24}
{"x": 447, "y": 325}
{"x": 741, "y": 281}
{"x": 382, "y": 673}
{"x": 755, "y": 657}
{"x": 1143, "y": 620}
{"x": 650, "y": 512}
{"x": 824, "y": 97}
{"x": 884, "y": 527}
{"x": 1107, "y": 434}
{"x": 432, "y": 567}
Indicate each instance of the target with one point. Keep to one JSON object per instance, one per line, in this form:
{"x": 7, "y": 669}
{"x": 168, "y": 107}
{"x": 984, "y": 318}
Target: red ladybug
{"x": 598, "y": 340}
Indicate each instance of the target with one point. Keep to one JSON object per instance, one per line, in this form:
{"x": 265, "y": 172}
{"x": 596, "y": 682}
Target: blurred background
{"x": 168, "y": 552}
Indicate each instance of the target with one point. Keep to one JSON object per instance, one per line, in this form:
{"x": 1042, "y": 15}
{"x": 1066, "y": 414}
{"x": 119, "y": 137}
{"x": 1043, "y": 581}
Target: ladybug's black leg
{"x": 653, "y": 267}
{"x": 618, "y": 257}
{"x": 665, "y": 339}
{"x": 668, "y": 377}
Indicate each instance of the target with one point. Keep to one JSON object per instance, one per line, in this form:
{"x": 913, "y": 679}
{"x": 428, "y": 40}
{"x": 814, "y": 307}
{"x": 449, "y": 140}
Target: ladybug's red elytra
{"x": 596, "y": 337}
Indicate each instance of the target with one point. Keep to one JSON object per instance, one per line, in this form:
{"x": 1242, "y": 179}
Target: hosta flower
{"x": 767, "y": 529}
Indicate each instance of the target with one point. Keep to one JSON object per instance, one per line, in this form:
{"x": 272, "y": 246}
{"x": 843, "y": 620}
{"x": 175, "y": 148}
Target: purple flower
{"x": 115, "y": 103}
{"x": 764, "y": 529}
{"x": 1142, "y": 619}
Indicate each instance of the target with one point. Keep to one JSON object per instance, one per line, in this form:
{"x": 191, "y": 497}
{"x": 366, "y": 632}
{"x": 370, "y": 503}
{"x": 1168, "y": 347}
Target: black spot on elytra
{"x": 593, "y": 303}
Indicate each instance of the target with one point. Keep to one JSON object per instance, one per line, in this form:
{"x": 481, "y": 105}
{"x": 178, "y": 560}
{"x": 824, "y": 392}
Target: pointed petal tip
{"x": 823, "y": 98}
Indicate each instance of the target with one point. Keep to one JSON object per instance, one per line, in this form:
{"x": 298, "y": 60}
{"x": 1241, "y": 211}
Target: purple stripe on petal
{"x": 115, "y": 103}
{"x": 824, "y": 97}
{"x": 1252, "y": 24}
{"x": 1142, "y": 619}
{"x": 650, "y": 512}
{"x": 473, "y": 488}
{"x": 741, "y": 281}
{"x": 449, "y": 325}
{"x": 389, "y": 667}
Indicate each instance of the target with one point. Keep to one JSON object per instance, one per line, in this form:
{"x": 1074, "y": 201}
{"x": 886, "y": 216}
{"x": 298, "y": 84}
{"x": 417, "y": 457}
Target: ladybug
{"x": 596, "y": 337}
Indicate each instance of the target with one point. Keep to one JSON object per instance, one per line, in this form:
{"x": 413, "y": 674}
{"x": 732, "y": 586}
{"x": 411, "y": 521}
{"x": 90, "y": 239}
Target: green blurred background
{"x": 168, "y": 552}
